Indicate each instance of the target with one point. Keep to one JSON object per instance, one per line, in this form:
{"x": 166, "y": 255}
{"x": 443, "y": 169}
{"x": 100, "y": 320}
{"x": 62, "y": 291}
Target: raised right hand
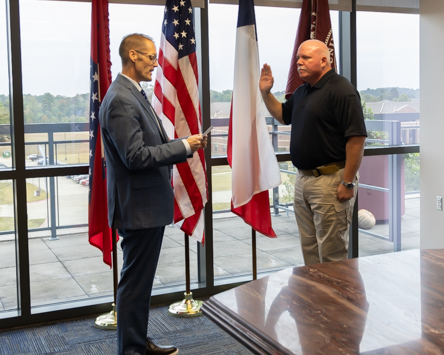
{"x": 266, "y": 81}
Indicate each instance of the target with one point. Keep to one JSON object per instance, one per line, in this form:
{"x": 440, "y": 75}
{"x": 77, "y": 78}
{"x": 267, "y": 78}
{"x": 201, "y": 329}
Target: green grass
{"x": 7, "y": 197}
{"x": 7, "y": 223}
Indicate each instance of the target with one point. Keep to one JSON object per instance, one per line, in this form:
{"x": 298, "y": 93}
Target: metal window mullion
{"x": 348, "y": 69}
{"x": 18, "y": 156}
{"x": 205, "y": 252}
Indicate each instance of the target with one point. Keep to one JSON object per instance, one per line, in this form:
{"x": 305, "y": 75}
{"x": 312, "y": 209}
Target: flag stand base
{"x": 108, "y": 320}
{"x": 186, "y": 308}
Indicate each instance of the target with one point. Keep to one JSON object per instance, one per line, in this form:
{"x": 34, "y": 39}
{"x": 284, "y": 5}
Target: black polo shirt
{"x": 323, "y": 116}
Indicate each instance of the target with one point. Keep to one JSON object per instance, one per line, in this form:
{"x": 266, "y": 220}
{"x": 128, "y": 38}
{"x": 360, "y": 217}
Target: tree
{"x": 47, "y": 103}
{"x": 368, "y": 112}
{"x": 403, "y": 98}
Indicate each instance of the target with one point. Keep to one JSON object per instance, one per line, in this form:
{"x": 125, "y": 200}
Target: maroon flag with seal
{"x": 314, "y": 23}
{"x": 99, "y": 232}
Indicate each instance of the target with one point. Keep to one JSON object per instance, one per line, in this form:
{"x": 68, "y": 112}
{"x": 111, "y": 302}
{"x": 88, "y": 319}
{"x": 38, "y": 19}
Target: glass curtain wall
{"x": 232, "y": 237}
{"x": 65, "y": 271}
{"x": 8, "y": 264}
{"x": 55, "y": 47}
{"x": 388, "y": 81}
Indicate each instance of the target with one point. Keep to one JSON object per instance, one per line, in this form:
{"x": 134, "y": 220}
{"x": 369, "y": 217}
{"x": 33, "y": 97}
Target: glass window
{"x": 8, "y": 265}
{"x": 5, "y": 119}
{"x": 388, "y": 76}
{"x": 388, "y": 207}
{"x": 127, "y": 19}
{"x": 233, "y": 238}
{"x": 64, "y": 266}
{"x": 55, "y": 62}
{"x": 8, "y": 269}
{"x": 389, "y": 219}
{"x": 274, "y": 49}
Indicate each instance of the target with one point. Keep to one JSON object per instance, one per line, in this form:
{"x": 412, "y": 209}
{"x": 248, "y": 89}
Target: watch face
{"x": 348, "y": 185}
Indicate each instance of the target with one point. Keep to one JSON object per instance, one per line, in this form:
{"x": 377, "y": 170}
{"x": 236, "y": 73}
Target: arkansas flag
{"x": 100, "y": 76}
{"x": 314, "y": 23}
{"x": 176, "y": 101}
{"x": 255, "y": 169}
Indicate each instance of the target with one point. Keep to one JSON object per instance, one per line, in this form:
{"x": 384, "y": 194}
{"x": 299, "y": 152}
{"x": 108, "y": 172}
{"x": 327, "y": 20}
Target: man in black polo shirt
{"x": 327, "y": 144}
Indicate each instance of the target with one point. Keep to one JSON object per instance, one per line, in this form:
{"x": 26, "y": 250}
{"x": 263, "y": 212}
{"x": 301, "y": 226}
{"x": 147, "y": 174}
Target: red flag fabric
{"x": 176, "y": 101}
{"x": 250, "y": 153}
{"x": 99, "y": 231}
{"x": 314, "y": 23}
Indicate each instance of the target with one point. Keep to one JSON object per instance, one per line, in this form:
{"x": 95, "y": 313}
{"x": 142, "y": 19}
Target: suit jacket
{"x": 138, "y": 159}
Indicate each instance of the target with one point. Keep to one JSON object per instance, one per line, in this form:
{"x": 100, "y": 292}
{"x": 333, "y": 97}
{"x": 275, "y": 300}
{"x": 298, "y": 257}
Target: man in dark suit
{"x": 139, "y": 156}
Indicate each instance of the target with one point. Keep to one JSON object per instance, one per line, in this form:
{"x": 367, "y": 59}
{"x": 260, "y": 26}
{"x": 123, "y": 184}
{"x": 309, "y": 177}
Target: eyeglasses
{"x": 152, "y": 57}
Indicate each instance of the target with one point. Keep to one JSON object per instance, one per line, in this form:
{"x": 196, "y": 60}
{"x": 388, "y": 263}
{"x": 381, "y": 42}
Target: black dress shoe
{"x": 153, "y": 349}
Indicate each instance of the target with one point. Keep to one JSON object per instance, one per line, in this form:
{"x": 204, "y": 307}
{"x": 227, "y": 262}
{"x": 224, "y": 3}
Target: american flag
{"x": 100, "y": 75}
{"x": 176, "y": 101}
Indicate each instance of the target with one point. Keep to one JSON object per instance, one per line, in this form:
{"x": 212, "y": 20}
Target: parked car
{"x": 2, "y": 166}
{"x": 84, "y": 182}
{"x": 34, "y": 157}
{"x": 77, "y": 178}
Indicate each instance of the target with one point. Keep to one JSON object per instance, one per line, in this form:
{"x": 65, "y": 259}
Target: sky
{"x": 56, "y": 44}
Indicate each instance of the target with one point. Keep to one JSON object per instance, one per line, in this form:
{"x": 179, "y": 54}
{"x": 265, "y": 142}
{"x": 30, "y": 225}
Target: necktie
{"x": 144, "y": 95}
{"x": 159, "y": 122}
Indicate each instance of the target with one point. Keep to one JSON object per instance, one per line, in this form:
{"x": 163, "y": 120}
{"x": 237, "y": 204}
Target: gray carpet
{"x": 193, "y": 336}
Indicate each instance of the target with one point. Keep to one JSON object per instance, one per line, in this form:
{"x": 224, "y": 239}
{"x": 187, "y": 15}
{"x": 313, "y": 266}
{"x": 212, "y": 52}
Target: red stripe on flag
{"x": 169, "y": 72}
{"x": 191, "y": 186}
{"x": 177, "y": 212}
{"x": 193, "y": 61}
{"x": 187, "y": 105}
{"x": 167, "y": 108}
{"x": 190, "y": 223}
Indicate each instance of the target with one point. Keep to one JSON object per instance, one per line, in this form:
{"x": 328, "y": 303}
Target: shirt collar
{"x": 321, "y": 82}
{"x": 136, "y": 84}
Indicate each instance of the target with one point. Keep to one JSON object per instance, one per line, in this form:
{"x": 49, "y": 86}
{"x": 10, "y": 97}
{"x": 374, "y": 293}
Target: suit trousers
{"x": 322, "y": 220}
{"x": 141, "y": 250}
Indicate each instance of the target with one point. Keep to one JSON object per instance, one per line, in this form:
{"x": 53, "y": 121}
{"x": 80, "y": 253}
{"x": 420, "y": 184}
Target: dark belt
{"x": 326, "y": 169}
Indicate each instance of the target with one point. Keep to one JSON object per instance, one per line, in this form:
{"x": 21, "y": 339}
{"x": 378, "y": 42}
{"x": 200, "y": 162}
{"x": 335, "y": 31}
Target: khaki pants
{"x": 323, "y": 221}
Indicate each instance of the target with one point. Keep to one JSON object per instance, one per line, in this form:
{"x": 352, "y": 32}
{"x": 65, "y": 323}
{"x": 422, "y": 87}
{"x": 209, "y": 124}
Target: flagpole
{"x": 188, "y": 307}
{"x": 253, "y": 247}
{"x": 108, "y": 321}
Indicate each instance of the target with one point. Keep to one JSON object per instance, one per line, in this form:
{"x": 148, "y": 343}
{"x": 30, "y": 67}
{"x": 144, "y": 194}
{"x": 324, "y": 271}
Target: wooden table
{"x": 384, "y": 304}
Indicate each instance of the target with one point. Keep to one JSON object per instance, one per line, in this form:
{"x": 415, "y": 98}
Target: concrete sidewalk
{"x": 71, "y": 269}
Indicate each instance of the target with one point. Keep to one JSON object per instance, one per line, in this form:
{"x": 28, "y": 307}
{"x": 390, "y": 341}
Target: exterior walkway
{"x": 71, "y": 269}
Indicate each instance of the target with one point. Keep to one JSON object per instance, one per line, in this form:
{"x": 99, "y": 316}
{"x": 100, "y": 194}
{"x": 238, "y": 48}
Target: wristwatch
{"x": 348, "y": 185}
